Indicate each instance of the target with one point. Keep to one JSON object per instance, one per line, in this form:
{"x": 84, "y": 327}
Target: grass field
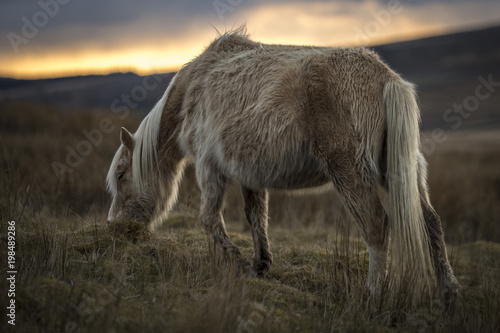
{"x": 76, "y": 275}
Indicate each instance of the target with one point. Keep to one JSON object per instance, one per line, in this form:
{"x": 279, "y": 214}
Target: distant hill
{"x": 445, "y": 68}
{"x": 89, "y": 92}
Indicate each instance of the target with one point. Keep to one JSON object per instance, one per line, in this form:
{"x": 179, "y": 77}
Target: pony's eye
{"x": 120, "y": 175}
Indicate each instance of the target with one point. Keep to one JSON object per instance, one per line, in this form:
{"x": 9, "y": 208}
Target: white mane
{"x": 111, "y": 177}
{"x": 145, "y": 149}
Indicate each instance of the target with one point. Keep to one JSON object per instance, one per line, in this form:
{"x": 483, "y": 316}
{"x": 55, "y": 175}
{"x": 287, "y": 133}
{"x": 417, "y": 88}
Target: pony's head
{"x": 133, "y": 199}
{"x": 142, "y": 188}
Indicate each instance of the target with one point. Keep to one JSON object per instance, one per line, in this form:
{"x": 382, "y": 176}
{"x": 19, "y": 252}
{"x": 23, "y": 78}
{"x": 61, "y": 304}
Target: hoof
{"x": 262, "y": 266}
{"x": 245, "y": 268}
{"x": 449, "y": 295}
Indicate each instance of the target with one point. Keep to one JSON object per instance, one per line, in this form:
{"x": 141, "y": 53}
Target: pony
{"x": 288, "y": 117}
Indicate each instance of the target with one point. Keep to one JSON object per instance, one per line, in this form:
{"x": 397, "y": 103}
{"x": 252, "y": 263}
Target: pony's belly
{"x": 298, "y": 179}
{"x": 292, "y": 172}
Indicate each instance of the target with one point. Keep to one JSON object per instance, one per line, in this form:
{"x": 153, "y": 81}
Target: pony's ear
{"x": 127, "y": 139}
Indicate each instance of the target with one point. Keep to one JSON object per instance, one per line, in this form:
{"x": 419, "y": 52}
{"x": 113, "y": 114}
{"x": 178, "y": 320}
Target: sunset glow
{"x": 142, "y": 61}
{"x": 148, "y": 45}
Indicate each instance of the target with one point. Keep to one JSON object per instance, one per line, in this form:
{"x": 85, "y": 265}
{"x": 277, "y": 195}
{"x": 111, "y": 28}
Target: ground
{"x": 74, "y": 274}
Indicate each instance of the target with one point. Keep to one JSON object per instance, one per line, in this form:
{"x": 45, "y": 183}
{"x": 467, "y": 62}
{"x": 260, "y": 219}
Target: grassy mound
{"x": 124, "y": 278}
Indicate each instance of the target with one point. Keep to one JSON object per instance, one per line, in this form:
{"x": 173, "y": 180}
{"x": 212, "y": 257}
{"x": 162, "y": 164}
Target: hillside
{"x": 99, "y": 92}
{"x": 446, "y": 70}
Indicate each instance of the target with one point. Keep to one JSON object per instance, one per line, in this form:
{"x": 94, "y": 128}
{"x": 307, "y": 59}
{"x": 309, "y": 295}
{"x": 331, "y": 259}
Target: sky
{"x": 53, "y": 38}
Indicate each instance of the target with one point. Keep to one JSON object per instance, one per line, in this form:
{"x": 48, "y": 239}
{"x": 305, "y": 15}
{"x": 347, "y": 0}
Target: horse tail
{"x": 410, "y": 242}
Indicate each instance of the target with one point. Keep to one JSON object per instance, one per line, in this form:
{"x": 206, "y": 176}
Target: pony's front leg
{"x": 256, "y": 203}
{"x": 212, "y": 196}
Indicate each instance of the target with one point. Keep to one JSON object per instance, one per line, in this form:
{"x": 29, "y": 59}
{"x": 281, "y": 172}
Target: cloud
{"x": 94, "y": 35}
{"x": 93, "y": 20}
{"x": 151, "y": 35}
{"x": 367, "y": 22}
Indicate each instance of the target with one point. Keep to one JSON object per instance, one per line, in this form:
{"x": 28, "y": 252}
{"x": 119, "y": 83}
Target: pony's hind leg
{"x": 212, "y": 186}
{"x": 360, "y": 193}
{"x": 376, "y": 239}
{"x": 449, "y": 287}
{"x": 256, "y": 203}
{"x": 371, "y": 219}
